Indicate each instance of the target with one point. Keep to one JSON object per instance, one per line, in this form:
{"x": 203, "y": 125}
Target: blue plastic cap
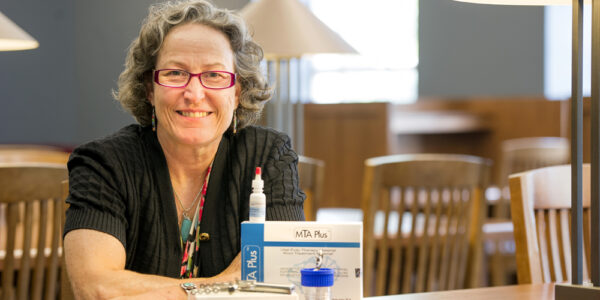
{"x": 317, "y": 278}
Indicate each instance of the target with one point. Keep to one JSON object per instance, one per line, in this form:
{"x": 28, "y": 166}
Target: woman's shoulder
{"x": 261, "y": 142}
{"x": 126, "y": 140}
{"x": 261, "y": 135}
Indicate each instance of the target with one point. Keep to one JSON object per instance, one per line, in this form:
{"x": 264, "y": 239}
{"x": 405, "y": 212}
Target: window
{"x": 385, "y": 33}
{"x": 557, "y": 51}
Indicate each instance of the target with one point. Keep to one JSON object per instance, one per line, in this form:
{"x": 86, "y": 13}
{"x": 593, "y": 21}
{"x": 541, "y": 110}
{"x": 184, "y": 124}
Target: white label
{"x": 257, "y": 213}
{"x": 312, "y": 234}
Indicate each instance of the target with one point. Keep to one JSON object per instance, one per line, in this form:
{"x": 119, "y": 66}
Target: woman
{"x": 161, "y": 201}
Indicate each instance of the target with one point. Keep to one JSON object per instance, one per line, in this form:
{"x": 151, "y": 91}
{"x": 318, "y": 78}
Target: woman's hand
{"x": 170, "y": 293}
{"x": 96, "y": 267}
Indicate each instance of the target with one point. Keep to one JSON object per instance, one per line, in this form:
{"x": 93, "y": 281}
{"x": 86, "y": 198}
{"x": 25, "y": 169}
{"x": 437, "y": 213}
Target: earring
{"x": 153, "y": 119}
{"x": 235, "y": 121}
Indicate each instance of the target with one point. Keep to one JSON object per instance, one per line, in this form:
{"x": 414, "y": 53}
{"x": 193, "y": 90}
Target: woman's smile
{"x": 193, "y": 114}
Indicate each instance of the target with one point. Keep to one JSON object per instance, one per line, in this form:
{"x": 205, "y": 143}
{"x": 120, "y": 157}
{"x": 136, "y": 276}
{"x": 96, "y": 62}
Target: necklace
{"x": 186, "y": 210}
{"x": 186, "y": 222}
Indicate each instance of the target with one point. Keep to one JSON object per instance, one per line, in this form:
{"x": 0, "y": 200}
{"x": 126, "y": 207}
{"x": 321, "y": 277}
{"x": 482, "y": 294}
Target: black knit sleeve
{"x": 285, "y": 200}
{"x": 96, "y": 201}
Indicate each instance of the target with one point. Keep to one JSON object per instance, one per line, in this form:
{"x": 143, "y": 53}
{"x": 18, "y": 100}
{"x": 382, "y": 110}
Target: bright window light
{"x": 557, "y": 52}
{"x": 385, "y": 33}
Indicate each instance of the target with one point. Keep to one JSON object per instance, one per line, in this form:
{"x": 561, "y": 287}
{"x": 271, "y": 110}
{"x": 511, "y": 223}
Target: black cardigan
{"x": 120, "y": 185}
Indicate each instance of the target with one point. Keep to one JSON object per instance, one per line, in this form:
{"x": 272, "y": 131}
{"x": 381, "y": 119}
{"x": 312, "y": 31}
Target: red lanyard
{"x": 190, "y": 252}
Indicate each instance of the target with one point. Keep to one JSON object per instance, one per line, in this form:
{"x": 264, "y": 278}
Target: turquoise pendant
{"x": 185, "y": 228}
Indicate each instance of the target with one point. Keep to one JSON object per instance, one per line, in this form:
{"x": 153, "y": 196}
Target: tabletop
{"x": 542, "y": 291}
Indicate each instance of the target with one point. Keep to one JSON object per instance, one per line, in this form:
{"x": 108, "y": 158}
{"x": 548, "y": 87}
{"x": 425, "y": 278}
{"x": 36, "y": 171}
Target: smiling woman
{"x": 160, "y": 203}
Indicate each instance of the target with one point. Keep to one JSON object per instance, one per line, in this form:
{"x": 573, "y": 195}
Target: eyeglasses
{"x": 176, "y": 78}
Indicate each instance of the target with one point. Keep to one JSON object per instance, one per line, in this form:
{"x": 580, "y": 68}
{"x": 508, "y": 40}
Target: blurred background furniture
{"x": 473, "y": 126}
{"x": 30, "y": 250}
{"x": 432, "y": 211}
{"x": 311, "y": 173}
{"x": 528, "y": 153}
{"x": 540, "y": 208}
{"x": 344, "y": 135}
{"x": 32, "y": 153}
{"x": 518, "y": 155}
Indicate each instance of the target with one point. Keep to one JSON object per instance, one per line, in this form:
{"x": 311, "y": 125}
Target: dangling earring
{"x": 235, "y": 121}
{"x": 153, "y": 119}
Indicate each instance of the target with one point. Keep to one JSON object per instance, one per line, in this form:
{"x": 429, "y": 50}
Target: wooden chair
{"x": 25, "y": 255}
{"x": 32, "y": 153}
{"x": 540, "y": 208}
{"x": 432, "y": 209}
{"x": 312, "y": 175}
{"x": 530, "y": 153}
{"x": 518, "y": 155}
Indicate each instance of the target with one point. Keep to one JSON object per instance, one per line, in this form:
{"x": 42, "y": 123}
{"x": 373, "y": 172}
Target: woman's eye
{"x": 175, "y": 73}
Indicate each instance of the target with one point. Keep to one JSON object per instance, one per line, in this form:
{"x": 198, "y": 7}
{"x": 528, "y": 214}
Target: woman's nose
{"x": 195, "y": 89}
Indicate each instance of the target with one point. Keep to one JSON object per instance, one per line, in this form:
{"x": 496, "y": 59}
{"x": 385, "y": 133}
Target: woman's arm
{"x": 285, "y": 200}
{"x": 96, "y": 267}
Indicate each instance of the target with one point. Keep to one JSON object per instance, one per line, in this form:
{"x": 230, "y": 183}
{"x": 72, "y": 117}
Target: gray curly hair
{"x": 135, "y": 80}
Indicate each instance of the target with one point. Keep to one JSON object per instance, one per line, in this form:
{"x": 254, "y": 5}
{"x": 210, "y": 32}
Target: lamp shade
{"x": 12, "y": 37}
{"x": 524, "y": 2}
{"x": 286, "y": 28}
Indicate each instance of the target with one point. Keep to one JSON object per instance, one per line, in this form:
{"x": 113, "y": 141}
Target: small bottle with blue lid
{"x": 317, "y": 282}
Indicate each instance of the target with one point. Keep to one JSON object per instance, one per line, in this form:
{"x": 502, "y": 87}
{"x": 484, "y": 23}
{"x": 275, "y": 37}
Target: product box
{"x": 276, "y": 251}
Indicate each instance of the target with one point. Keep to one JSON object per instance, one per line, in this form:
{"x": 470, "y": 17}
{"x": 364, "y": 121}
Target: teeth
{"x": 194, "y": 114}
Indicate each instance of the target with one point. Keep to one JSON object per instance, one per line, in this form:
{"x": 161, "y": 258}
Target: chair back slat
{"x": 425, "y": 245}
{"x": 455, "y": 239}
{"x": 22, "y": 287}
{"x": 8, "y": 267}
{"x": 369, "y": 210}
{"x": 40, "y": 260}
{"x": 435, "y": 244}
{"x": 410, "y": 245}
{"x": 424, "y": 202}
{"x": 543, "y": 241}
{"x": 26, "y": 189}
{"x": 543, "y": 248}
{"x": 587, "y": 243}
{"x": 398, "y": 247}
{"x": 565, "y": 233}
{"x": 459, "y": 224}
{"x": 53, "y": 259}
{"x": 446, "y": 242}
{"x": 383, "y": 244}
{"x": 462, "y": 240}
{"x": 468, "y": 215}
{"x": 555, "y": 247}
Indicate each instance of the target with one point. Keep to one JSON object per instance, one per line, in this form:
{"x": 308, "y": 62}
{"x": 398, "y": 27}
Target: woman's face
{"x": 194, "y": 115}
